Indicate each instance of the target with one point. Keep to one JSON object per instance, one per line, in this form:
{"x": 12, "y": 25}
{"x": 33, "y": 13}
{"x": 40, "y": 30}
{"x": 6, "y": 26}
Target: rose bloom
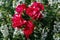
{"x": 18, "y": 21}
{"x": 28, "y": 29}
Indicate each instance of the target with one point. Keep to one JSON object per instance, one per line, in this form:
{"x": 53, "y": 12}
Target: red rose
{"x": 34, "y": 5}
{"x": 34, "y": 13}
{"x": 28, "y": 29}
{"x": 20, "y": 8}
{"x": 34, "y": 10}
{"x": 39, "y": 5}
{"x": 18, "y": 21}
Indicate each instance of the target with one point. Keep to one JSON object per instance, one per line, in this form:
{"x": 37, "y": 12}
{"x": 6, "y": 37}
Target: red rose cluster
{"x": 33, "y": 11}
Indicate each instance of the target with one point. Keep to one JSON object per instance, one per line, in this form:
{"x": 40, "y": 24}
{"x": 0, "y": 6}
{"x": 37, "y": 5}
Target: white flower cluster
{"x": 43, "y": 34}
{"x": 17, "y": 32}
{"x": 57, "y": 26}
{"x": 16, "y": 3}
{"x": 56, "y": 36}
{"x": 1, "y": 3}
{"x": 4, "y": 30}
{"x": 56, "y": 30}
{"x": 58, "y": 5}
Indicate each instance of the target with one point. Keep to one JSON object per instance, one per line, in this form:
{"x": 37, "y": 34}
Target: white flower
{"x": 17, "y": 32}
{"x": 1, "y": 3}
{"x": 4, "y": 30}
{"x": 58, "y": 5}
